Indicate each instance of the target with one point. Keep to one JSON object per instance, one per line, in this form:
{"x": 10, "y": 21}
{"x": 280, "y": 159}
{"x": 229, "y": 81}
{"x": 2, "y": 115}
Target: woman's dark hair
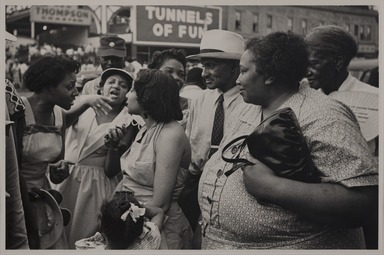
{"x": 281, "y": 55}
{"x": 48, "y": 71}
{"x": 158, "y": 94}
{"x": 159, "y": 57}
{"x": 119, "y": 233}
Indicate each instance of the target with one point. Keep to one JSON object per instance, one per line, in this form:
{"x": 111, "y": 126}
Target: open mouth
{"x": 114, "y": 94}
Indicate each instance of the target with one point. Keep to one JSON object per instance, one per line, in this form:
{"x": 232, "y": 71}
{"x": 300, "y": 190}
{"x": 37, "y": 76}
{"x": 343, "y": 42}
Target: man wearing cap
{"x": 111, "y": 52}
{"x": 220, "y": 52}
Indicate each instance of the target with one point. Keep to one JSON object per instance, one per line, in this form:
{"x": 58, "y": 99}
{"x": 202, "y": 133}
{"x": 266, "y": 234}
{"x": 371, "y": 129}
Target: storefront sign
{"x": 174, "y": 25}
{"x": 60, "y": 15}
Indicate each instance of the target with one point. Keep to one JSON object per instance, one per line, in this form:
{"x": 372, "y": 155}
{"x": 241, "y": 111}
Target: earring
{"x": 99, "y": 92}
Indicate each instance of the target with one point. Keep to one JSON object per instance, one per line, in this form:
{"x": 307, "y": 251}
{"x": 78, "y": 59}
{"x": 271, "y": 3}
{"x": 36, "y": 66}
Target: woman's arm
{"x": 156, "y": 215}
{"x": 82, "y": 103}
{"x": 112, "y": 162}
{"x": 169, "y": 150}
{"x": 325, "y": 203}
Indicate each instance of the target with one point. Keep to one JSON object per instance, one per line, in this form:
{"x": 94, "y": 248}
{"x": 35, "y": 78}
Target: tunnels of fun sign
{"x": 174, "y": 25}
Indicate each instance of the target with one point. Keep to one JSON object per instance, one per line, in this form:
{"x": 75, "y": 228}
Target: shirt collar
{"x": 347, "y": 83}
{"x": 229, "y": 96}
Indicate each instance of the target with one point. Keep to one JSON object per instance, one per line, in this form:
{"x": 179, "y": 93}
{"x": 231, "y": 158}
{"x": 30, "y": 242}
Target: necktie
{"x": 218, "y": 126}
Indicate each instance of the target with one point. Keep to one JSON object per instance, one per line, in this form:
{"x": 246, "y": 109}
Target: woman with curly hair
{"x": 47, "y": 114}
{"x": 155, "y": 166}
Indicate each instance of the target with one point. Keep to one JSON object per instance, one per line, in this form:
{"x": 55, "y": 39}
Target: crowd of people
{"x": 144, "y": 159}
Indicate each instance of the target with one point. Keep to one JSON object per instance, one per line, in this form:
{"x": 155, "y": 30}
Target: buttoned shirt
{"x": 200, "y": 123}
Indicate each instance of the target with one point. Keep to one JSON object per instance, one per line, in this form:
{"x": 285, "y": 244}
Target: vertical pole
{"x": 33, "y": 30}
{"x": 103, "y": 19}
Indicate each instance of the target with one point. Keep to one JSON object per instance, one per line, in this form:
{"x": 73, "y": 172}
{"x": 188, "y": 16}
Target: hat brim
{"x": 51, "y": 234}
{"x": 110, "y": 71}
{"x": 111, "y": 52}
{"x": 218, "y": 55}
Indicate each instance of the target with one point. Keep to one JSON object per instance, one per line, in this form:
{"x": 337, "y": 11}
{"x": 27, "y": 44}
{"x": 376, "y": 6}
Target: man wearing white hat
{"x": 220, "y": 52}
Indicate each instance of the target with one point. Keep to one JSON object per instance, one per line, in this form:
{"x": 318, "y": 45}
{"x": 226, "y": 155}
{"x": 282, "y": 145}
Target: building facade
{"x": 147, "y": 28}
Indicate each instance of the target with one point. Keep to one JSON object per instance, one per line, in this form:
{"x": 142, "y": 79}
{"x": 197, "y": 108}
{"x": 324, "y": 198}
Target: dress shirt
{"x": 200, "y": 123}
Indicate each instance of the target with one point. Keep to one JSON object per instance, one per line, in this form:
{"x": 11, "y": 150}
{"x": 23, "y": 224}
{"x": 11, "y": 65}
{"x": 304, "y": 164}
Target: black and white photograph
{"x": 204, "y": 127}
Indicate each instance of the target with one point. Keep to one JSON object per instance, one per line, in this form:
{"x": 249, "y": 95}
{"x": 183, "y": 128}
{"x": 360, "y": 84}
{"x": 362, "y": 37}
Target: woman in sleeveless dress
{"x": 155, "y": 166}
{"x": 52, "y": 81}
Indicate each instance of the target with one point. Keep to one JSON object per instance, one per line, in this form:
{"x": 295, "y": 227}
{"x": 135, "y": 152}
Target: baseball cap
{"x": 112, "y": 45}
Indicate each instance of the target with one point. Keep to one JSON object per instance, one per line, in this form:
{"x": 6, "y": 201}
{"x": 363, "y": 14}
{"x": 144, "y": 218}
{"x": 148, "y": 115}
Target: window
{"x": 269, "y": 24}
{"x": 356, "y": 30}
{"x": 347, "y": 27}
{"x": 269, "y": 21}
{"x": 361, "y": 33}
{"x": 255, "y": 24}
{"x": 303, "y": 26}
{"x": 237, "y": 20}
{"x": 290, "y": 24}
{"x": 368, "y": 33}
{"x": 120, "y": 22}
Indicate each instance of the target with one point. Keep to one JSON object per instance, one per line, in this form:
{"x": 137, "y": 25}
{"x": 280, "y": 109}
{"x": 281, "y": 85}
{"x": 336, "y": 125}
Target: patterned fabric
{"x": 218, "y": 126}
{"x": 14, "y": 102}
{"x": 233, "y": 219}
{"x": 200, "y": 123}
{"x": 149, "y": 240}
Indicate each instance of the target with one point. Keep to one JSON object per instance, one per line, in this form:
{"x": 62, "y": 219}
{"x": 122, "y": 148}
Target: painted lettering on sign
{"x": 178, "y": 24}
{"x": 61, "y": 15}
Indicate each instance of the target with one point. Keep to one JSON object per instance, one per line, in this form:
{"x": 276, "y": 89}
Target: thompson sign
{"x": 60, "y": 15}
{"x": 174, "y": 25}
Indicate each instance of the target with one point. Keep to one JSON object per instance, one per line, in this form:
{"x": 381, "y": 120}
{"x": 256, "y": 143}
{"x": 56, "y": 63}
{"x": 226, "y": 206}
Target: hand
{"x": 114, "y": 136}
{"x": 258, "y": 178}
{"x": 59, "y": 171}
{"x": 99, "y": 103}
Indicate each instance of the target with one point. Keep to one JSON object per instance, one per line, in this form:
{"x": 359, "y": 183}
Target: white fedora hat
{"x": 220, "y": 44}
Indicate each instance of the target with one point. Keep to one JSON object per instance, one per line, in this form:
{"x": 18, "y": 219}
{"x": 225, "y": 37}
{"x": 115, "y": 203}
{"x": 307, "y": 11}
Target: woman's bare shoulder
{"x": 172, "y": 131}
